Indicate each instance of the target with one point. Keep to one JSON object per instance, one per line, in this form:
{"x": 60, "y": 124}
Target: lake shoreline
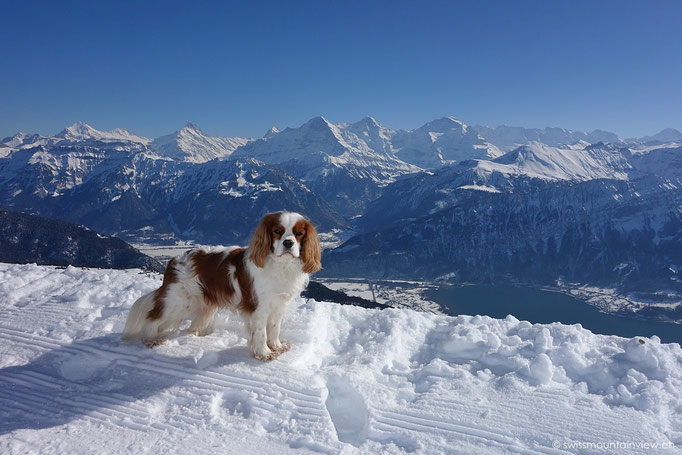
{"x": 547, "y": 305}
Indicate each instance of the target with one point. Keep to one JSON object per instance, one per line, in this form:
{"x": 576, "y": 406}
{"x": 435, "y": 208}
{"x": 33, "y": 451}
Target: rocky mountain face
{"x": 33, "y": 239}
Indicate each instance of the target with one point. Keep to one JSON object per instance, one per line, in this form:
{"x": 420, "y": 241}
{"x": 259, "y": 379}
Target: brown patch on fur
{"x": 248, "y": 303}
{"x": 301, "y": 227}
{"x": 261, "y": 243}
{"x": 311, "y": 253}
{"x": 213, "y": 272}
{"x": 170, "y": 276}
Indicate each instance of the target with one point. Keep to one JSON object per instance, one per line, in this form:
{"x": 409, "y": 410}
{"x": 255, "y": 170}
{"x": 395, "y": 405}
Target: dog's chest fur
{"x": 280, "y": 280}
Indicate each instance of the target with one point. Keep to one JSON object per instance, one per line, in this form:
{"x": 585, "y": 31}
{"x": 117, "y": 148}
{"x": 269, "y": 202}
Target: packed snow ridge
{"x": 355, "y": 381}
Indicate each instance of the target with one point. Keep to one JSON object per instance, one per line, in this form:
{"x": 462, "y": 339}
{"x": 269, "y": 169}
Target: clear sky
{"x": 236, "y": 68}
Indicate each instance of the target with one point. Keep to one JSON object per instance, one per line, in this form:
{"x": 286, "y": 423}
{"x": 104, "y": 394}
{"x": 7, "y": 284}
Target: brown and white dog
{"x": 259, "y": 281}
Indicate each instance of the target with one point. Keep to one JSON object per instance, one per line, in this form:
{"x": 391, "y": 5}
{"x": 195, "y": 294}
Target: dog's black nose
{"x": 288, "y": 243}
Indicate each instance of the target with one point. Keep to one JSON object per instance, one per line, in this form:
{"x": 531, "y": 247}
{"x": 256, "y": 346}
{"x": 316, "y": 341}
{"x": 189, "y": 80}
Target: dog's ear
{"x": 261, "y": 243}
{"x": 311, "y": 254}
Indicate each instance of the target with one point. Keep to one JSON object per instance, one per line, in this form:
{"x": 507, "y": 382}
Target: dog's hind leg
{"x": 202, "y": 324}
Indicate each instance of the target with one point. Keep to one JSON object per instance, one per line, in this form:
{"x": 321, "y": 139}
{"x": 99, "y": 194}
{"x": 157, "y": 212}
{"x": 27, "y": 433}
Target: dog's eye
{"x": 278, "y": 232}
{"x": 298, "y": 234}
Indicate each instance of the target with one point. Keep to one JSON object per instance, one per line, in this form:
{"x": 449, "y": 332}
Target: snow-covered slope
{"x": 578, "y": 162}
{"x": 355, "y": 381}
{"x": 192, "y": 145}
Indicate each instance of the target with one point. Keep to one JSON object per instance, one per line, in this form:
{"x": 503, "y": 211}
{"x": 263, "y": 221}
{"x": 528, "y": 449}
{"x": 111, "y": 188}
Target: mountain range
{"x": 444, "y": 199}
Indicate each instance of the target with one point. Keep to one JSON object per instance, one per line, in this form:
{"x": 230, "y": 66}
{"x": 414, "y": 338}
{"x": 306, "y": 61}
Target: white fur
{"x": 275, "y": 286}
{"x": 137, "y": 316}
{"x": 288, "y": 219}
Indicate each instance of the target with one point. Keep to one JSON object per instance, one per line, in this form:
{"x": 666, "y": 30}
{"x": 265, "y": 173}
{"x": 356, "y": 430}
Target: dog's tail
{"x": 138, "y": 316}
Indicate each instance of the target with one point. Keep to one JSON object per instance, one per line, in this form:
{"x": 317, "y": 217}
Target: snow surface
{"x": 355, "y": 381}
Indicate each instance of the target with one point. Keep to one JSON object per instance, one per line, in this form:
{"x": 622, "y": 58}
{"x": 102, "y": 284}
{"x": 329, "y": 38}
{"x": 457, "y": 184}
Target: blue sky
{"x": 238, "y": 68}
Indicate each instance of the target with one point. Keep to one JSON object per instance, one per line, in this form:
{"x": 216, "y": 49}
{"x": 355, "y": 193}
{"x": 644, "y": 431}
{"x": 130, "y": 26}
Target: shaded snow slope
{"x": 355, "y": 381}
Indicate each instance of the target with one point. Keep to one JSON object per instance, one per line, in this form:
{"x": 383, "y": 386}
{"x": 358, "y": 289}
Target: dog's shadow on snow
{"x": 100, "y": 378}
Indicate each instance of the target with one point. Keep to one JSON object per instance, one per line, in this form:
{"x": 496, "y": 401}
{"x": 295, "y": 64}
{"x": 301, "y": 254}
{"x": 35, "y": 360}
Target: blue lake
{"x": 539, "y": 306}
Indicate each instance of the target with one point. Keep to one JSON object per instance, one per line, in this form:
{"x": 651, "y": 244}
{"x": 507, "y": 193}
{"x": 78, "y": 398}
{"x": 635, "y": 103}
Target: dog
{"x": 259, "y": 282}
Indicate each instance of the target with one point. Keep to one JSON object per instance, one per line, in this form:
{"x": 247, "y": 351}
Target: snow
{"x": 192, "y": 145}
{"x": 578, "y": 162}
{"x": 508, "y": 138}
{"x": 355, "y": 381}
{"x": 487, "y": 189}
{"x": 663, "y": 136}
{"x": 80, "y": 131}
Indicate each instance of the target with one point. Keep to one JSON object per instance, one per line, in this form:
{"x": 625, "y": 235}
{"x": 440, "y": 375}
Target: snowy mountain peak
{"x": 445, "y": 124}
{"x": 318, "y": 123}
{"x": 665, "y": 135}
{"x": 440, "y": 142}
{"x": 81, "y": 131}
{"x": 192, "y": 145}
{"x": 192, "y": 127}
{"x": 370, "y": 122}
{"x": 19, "y": 139}
{"x": 271, "y": 132}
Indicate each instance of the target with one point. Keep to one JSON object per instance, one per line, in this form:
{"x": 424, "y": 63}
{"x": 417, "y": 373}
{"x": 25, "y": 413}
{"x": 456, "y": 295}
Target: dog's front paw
{"x": 280, "y": 346}
{"x": 267, "y": 356}
{"x": 151, "y": 343}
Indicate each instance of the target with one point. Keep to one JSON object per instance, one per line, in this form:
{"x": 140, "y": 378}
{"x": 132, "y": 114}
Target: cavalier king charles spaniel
{"x": 259, "y": 281}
